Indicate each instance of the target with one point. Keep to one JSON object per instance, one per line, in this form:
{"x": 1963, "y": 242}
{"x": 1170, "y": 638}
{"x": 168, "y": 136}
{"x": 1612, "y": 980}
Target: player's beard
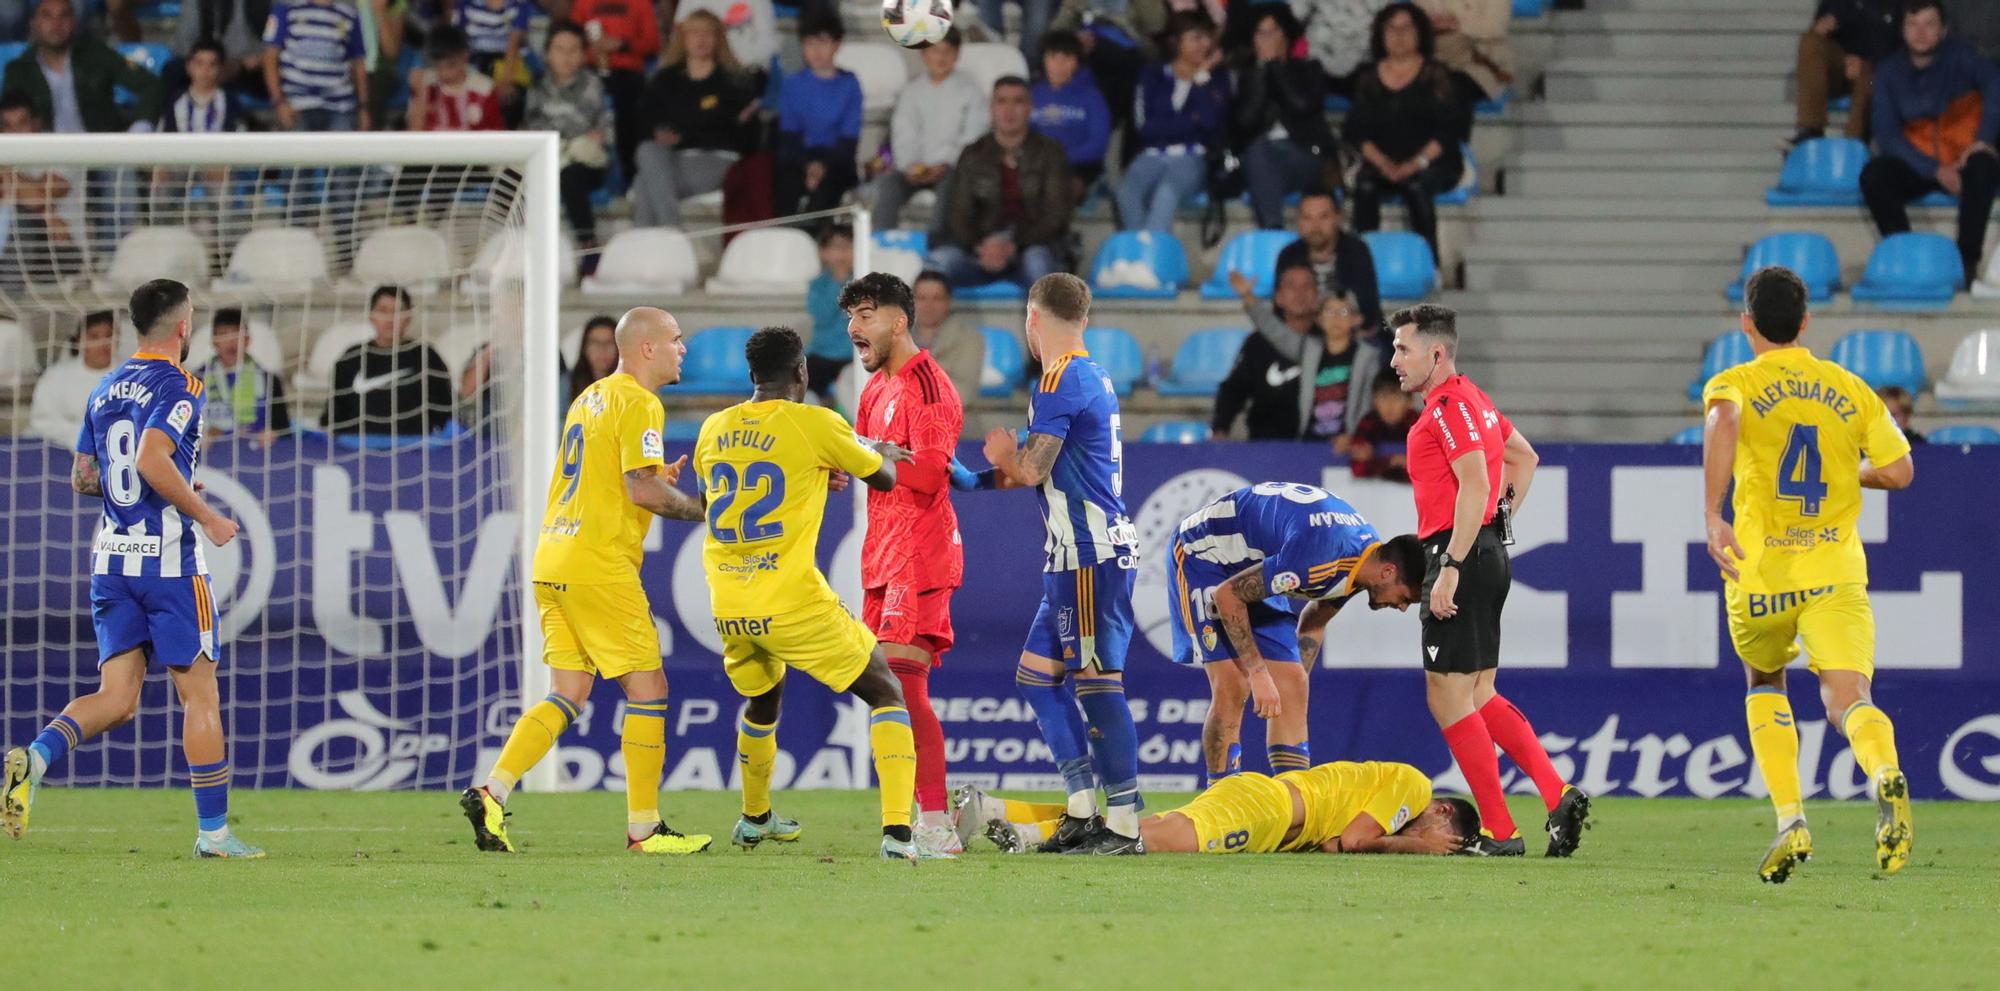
{"x": 187, "y": 343}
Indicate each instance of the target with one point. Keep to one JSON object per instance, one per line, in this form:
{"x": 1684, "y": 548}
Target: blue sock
{"x": 1294, "y": 758}
{"x": 1044, "y": 694}
{"x": 1110, "y": 719}
{"x": 1232, "y": 764}
{"x": 56, "y": 741}
{"x": 211, "y": 794}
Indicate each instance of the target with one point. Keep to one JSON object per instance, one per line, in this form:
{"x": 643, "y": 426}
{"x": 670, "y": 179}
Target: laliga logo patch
{"x": 182, "y": 413}
{"x": 650, "y": 445}
{"x": 1208, "y": 636}
{"x": 1402, "y": 818}
{"x": 1284, "y": 581}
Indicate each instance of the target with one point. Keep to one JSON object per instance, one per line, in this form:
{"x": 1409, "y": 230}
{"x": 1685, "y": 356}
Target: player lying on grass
{"x": 1342, "y": 807}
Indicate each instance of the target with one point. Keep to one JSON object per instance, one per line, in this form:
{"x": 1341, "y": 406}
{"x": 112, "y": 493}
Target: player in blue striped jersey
{"x": 149, "y": 592}
{"x": 1234, "y": 564}
{"x": 1073, "y": 459}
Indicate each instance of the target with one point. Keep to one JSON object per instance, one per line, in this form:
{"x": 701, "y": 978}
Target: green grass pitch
{"x": 385, "y": 891}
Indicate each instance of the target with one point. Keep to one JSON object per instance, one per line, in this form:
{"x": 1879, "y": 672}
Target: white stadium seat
{"x": 416, "y": 258}
{"x": 1974, "y": 375}
{"x": 264, "y": 347}
{"x": 770, "y": 261}
{"x": 276, "y": 261}
{"x": 457, "y": 346}
{"x": 503, "y": 254}
{"x": 903, "y": 264}
{"x": 882, "y": 69}
{"x": 986, "y": 61}
{"x": 156, "y": 253}
{"x": 644, "y": 260}
{"x": 333, "y": 342}
{"x": 18, "y": 362}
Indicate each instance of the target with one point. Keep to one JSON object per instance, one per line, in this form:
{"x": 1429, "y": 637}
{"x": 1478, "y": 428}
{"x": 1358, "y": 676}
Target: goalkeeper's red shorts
{"x": 901, "y": 614}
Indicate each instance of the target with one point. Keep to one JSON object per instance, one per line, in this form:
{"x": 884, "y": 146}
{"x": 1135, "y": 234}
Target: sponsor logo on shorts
{"x": 181, "y": 415}
{"x": 1284, "y": 581}
{"x": 112, "y": 543}
{"x": 743, "y": 627}
{"x": 650, "y": 445}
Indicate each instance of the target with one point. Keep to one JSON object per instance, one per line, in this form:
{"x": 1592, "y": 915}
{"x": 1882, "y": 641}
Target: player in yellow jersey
{"x": 1791, "y": 431}
{"x": 611, "y": 480}
{"x": 765, "y": 467}
{"x": 1342, "y": 807}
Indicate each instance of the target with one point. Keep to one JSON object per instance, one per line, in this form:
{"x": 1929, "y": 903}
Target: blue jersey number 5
{"x": 724, "y": 487}
{"x": 1800, "y": 478}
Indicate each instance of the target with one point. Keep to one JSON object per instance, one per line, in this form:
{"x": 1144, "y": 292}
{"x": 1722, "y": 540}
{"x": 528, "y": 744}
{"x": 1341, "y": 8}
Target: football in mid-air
{"x": 916, "y": 23}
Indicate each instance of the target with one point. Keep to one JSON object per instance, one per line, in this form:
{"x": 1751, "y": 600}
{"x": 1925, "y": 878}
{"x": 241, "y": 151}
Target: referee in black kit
{"x": 1470, "y": 470}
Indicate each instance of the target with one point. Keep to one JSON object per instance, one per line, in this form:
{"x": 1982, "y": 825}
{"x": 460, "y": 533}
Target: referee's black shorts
{"x": 1469, "y": 641}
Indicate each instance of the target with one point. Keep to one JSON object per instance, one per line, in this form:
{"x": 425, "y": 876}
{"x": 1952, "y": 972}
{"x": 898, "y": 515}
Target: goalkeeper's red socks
{"x": 1472, "y": 746}
{"x": 1511, "y": 731}
{"x": 927, "y": 731}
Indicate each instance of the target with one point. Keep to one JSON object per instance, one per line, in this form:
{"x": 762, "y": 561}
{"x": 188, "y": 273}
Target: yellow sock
{"x": 1871, "y": 735}
{"x": 1775, "y": 742}
{"x": 644, "y": 744}
{"x": 756, "y": 750}
{"x": 895, "y": 761}
{"x": 533, "y": 736}
{"x": 1032, "y": 812}
{"x": 1037, "y": 832}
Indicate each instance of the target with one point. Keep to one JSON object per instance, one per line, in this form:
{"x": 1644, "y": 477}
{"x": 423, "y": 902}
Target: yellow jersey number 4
{"x": 1800, "y": 477}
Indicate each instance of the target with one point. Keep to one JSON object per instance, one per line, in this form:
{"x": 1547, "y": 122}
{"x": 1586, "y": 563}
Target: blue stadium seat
{"x": 1691, "y": 435}
{"x": 1404, "y": 267}
{"x": 1202, "y": 362}
{"x": 1001, "y": 292}
{"x": 1914, "y": 270}
{"x": 1882, "y": 358}
{"x": 1821, "y": 172}
{"x": 1811, "y": 256}
{"x": 682, "y": 429}
{"x": 148, "y": 55}
{"x": 1254, "y": 253}
{"x": 902, "y": 239}
{"x": 1139, "y": 265}
{"x": 11, "y": 50}
{"x": 1964, "y": 433}
{"x": 1494, "y": 108}
{"x": 1005, "y": 356}
{"x": 1530, "y": 8}
{"x": 1727, "y": 351}
{"x": 1175, "y": 432}
{"x": 715, "y": 363}
{"x": 1118, "y": 353}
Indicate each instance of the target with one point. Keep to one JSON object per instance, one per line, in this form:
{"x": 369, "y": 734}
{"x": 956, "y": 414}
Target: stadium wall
{"x": 1614, "y": 634}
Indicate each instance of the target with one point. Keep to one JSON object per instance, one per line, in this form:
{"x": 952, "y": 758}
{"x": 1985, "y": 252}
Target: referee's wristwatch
{"x": 1445, "y": 560}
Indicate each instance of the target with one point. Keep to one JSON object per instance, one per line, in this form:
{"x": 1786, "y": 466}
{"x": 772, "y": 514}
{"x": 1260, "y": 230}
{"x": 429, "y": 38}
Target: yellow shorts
{"x": 822, "y": 641}
{"x": 1242, "y": 813}
{"x": 604, "y": 629}
{"x": 1835, "y": 622}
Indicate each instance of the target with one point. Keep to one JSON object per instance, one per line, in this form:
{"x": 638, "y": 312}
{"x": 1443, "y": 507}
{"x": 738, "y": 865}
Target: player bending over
{"x": 1342, "y": 807}
{"x": 1790, "y": 431}
{"x": 611, "y": 480}
{"x": 764, "y": 467}
{"x": 1228, "y": 559}
{"x": 149, "y": 591}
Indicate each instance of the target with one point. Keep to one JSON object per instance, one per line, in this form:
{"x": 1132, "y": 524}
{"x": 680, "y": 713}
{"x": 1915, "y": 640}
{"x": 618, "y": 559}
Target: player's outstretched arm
{"x": 156, "y": 466}
{"x": 1312, "y": 628}
{"x": 1517, "y": 469}
{"x": 1718, "y": 465}
{"x": 1365, "y": 835}
{"x": 653, "y": 489}
{"x": 1232, "y": 606}
{"x": 1018, "y": 466}
{"x": 884, "y": 477}
{"x": 84, "y": 476}
{"x": 1897, "y": 474}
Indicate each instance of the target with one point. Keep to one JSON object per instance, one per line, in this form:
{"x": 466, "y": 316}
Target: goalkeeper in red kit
{"x": 911, "y": 560}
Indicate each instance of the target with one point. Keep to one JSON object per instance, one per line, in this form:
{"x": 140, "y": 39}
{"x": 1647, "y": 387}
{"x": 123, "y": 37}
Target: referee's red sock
{"x": 1511, "y": 731}
{"x": 924, "y": 727}
{"x": 1472, "y": 746}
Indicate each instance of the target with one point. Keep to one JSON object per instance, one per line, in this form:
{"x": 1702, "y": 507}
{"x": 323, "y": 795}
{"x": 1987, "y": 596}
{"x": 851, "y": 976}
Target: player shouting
{"x": 149, "y": 590}
{"x": 911, "y": 559}
{"x": 1790, "y": 430}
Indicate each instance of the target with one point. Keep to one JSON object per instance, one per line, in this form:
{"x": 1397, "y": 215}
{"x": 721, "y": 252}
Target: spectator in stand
{"x": 1118, "y": 41}
{"x": 391, "y": 386}
{"x": 1377, "y": 447}
{"x": 624, "y": 35}
{"x": 936, "y": 117}
{"x": 819, "y": 124}
{"x": 1977, "y": 21}
{"x": 1070, "y": 108}
{"x": 1936, "y": 117}
{"x": 1837, "y": 57}
{"x": 570, "y": 101}
{"x": 1009, "y": 212}
{"x": 703, "y": 110}
{"x": 57, "y": 412}
{"x": 383, "y": 23}
{"x": 1340, "y": 259}
{"x": 1280, "y": 117}
{"x": 1901, "y": 405}
{"x": 1472, "y": 43}
{"x": 1307, "y": 374}
{"x": 71, "y": 79}
{"x": 957, "y": 346}
{"x": 449, "y": 94}
{"x": 315, "y": 66}
{"x": 205, "y": 107}
{"x": 752, "y": 26}
{"x": 1408, "y": 123}
{"x": 596, "y": 355}
{"x": 44, "y": 241}
{"x": 494, "y": 30}
{"x": 1337, "y": 36}
{"x": 238, "y": 25}
{"x": 1035, "y": 16}
{"x": 243, "y": 397}
{"x": 1181, "y": 115}
{"x": 830, "y": 349}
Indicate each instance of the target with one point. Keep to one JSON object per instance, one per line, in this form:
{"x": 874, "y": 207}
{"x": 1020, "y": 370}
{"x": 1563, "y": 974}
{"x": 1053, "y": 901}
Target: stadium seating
{"x": 1690, "y": 435}
{"x": 415, "y": 257}
{"x": 900, "y": 252}
{"x": 986, "y": 61}
{"x": 1118, "y": 353}
{"x": 265, "y": 348}
{"x": 683, "y": 429}
{"x": 156, "y": 253}
{"x": 317, "y": 375}
{"x": 1530, "y": 8}
{"x": 1727, "y": 351}
{"x": 1254, "y": 253}
{"x": 1973, "y": 378}
{"x": 150, "y": 56}
{"x": 457, "y": 346}
{"x": 1811, "y": 256}
{"x": 1882, "y": 358}
{"x": 1202, "y": 362}
{"x": 1175, "y": 432}
{"x": 1139, "y": 265}
{"x": 1000, "y": 291}
{"x": 1964, "y": 433}
{"x": 277, "y": 261}
{"x": 502, "y": 254}
{"x": 1006, "y": 362}
{"x": 645, "y": 260}
{"x": 1404, "y": 266}
{"x": 882, "y": 72}
{"x": 1821, "y": 172}
{"x": 11, "y": 50}
{"x": 715, "y": 364}
{"x": 769, "y": 261}
{"x": 18, "y": 362}
{"x": 917, "y": 242}
{"x": 1914, "y": 270}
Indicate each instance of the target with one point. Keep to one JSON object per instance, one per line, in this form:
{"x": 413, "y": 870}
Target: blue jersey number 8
{"x": 724, "y": 487}
{"x": 1800, "y": 478}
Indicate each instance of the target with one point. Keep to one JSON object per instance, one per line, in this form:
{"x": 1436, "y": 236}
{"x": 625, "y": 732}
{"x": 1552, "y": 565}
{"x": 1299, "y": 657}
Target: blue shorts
{"x": 173, "y": 618}
{"x": 1085, "y": 617}
{"x": 1198, "y": 634}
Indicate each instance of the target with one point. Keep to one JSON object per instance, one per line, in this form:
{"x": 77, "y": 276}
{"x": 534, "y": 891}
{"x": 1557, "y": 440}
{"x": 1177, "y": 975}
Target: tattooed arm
{"x": 1021, "y": 467}
{"x": 84, "y": 477}
{"x": 653, "y": 489}
{"x": 1232, "y": 609}
{"x": 1312, "y": 628}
